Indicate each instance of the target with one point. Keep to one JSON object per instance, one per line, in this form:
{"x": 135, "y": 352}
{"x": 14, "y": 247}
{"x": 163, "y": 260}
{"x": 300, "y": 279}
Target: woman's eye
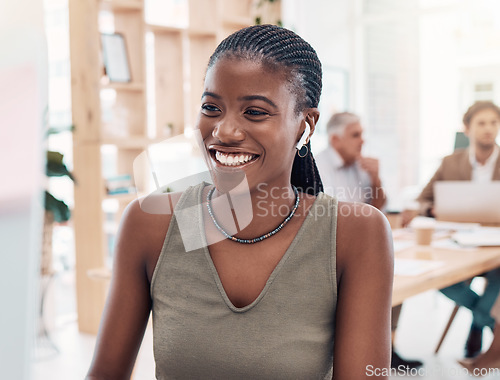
{"x": 209, "y": 109}
{"x": 255, "y": 112}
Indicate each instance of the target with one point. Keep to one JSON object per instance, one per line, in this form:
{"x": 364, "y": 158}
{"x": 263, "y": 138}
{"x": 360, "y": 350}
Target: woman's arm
{"x": 365, "y": 276}
{"x": 128, "y": 304}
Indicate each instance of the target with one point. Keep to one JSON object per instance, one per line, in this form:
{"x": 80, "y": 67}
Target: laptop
{"x": 466, "y": 201}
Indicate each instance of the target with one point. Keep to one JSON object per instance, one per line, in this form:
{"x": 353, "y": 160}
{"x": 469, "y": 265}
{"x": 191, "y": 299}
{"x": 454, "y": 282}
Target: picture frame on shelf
{"x": 115, "y": 57}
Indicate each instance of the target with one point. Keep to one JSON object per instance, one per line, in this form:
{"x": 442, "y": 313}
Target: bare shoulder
{"x": 364, "y": 278}
{"x": 144, "y": 225}
{"x": 149, "y": 216}
{"x": 363, "y": 234}
{"x": 361, "y": 217}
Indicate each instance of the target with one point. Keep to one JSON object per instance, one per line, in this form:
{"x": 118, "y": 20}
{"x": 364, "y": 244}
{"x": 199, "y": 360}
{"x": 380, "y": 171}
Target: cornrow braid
{"x": 278, "y": 47}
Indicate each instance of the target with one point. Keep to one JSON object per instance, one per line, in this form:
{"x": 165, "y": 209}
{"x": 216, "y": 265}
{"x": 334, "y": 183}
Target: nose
{"x": 227, "y": 132}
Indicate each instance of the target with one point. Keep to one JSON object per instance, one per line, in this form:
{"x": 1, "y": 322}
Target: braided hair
{"x": 279, "y": 48}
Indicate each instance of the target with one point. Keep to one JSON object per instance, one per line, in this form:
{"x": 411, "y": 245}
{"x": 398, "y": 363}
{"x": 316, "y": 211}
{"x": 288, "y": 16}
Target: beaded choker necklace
{"x": 257, "y": 239}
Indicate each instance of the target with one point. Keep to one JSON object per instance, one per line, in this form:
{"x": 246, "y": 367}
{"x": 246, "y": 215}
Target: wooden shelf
{"x": 132, "y": 87}
{"x": 122, "y": 5}
{"x": 130, "y": 142}
{"x": 238, "y": 21}
{"x": 158, "y": 29}
{"x": 99, "y": 274}
{"x": 201, "y": 33}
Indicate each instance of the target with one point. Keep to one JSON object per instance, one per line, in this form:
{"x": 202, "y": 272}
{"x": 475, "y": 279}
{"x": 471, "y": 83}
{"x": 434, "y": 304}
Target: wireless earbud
{"x": 304, "y": 136}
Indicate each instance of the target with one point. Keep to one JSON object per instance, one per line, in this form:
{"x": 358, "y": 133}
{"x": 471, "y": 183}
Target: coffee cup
{"x": 423, "y": 229}
{"x": 423, "y": 235}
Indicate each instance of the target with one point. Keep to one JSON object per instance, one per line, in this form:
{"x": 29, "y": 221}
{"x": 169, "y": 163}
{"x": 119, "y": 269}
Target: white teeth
{"x": 231, "y": 159}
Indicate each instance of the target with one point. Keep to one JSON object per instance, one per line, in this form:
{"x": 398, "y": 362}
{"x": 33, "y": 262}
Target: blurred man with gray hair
{"x": 344, "y": 172}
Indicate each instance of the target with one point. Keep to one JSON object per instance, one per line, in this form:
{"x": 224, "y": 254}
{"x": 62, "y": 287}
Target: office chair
{"x": 461, "y": 141}
{"x": 448, "y": 325}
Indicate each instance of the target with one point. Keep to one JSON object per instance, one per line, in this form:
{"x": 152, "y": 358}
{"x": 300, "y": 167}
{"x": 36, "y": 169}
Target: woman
{"x": 293, "y": 294}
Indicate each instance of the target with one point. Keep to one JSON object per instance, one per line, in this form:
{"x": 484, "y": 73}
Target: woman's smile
{"x": 233, "y": 159}
{"x": 227, "y": 156}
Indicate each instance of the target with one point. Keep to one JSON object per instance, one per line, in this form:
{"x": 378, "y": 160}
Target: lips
{"x": 227, "y": 158}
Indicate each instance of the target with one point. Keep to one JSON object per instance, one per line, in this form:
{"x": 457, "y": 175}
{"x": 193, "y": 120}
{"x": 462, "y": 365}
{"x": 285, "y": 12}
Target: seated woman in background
{"x": 489, "y": 360}
{"x": 296, "y": 294}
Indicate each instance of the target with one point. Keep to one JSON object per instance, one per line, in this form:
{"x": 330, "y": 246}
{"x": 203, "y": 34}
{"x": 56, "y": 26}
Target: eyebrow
{"x": 246, "y": 98}
{"x": 213, "y": 95}
{"x": 259, "y": 97}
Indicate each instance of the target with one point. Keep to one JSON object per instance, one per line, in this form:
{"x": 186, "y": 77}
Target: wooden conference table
{"x": 456, "y": 264}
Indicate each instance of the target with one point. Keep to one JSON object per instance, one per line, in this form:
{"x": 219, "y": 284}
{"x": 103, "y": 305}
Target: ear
{"x": 333, "y": 140}
{"x": 311, "y": 116}
{"x": 466, "y": 130}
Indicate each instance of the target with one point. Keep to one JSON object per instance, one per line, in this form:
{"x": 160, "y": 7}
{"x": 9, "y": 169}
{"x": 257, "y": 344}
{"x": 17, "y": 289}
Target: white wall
{"x": 439, "y": 90}
{"x": 23, "y": 97}
{"x": 324, "y": 24}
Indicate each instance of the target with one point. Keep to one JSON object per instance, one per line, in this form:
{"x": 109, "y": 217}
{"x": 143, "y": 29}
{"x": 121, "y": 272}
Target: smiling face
{"x": 483, "y": 128}
{"x": 248, "y": 121}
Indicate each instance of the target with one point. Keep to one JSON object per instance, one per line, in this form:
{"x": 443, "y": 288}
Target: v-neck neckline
{"x": 274, "y": 273}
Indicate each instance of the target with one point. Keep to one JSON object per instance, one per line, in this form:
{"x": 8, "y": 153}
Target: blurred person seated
{"x": 350, "y": 176}
{"x": 479, "y": 162}
{"x": 345, "y": 172}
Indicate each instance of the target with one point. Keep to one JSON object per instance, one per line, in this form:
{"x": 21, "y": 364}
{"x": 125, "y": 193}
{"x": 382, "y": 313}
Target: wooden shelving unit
{"x": 127, "y": 87}
{"x": 120, "y": 120}
{"x": 127, "y": 129}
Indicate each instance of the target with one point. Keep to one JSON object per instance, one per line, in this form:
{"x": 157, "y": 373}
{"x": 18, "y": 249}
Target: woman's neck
{"x": 270, "y": 206}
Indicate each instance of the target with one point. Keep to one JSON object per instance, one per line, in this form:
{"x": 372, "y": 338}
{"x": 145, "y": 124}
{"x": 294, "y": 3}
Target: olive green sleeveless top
{"x": 287, "y": 332}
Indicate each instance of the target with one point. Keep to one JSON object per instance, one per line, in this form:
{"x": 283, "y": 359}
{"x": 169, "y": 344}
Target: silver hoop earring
{"x": 302, "y": 152}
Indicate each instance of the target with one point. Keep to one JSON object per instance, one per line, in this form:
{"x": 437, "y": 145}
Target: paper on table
{"x": 481, "y": 237}
{"x": 449, "y": 244}
{"x": 438, "y": 241}
{"x": 412, "y": 267}
{"x": 401, "y": 245}
{"x": 455, "y": 226}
